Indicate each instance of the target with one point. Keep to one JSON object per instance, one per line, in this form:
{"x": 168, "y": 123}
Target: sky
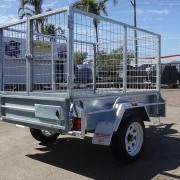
{"x": 159, "y": 16}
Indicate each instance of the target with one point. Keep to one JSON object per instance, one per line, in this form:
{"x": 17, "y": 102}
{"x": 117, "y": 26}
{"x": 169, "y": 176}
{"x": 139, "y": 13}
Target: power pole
{"x": 133, "y": 2}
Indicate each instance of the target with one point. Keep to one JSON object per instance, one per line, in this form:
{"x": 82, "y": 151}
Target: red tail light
{"x": 76, "y": 123}
{"x": 134, "y": 104}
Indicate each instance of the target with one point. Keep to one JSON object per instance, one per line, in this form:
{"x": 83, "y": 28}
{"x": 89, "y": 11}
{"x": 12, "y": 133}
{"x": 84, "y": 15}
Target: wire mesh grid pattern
{"x": 115, "y": 44}
{"x": 78, "y": 51}
{"x": 13, "y": 53}
{"x": 103, "y": 50}
{"x": 50, "y": 52}
{"x": 142, "y": 56}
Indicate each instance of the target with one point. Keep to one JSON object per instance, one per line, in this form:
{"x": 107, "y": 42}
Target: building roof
{"x": 172, "y": 58}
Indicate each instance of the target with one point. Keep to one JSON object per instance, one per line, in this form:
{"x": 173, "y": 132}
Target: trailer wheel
{"x": 43, "y": 135}
{"x": 128, "y": 142}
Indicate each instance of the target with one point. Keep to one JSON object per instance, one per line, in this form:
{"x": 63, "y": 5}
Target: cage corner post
{"x": 94, "y": 69}
{"x": 29, "y": 56}
{"x": 125, "y": 60}
{"x": 1, "y": 60}
{"x": 53, "y": 77}
{"x": 70, "y": 51}
{"x": 158, "y": 76}
{"x": 70, "y": 64}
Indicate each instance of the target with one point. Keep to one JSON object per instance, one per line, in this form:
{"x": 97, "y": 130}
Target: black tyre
{"x": 43, "y": 136}
{"x": 128, "y": 142}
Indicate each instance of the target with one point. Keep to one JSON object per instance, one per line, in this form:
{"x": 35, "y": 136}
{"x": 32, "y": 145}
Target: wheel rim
{"x": 47, "y": 133}
{"x": 134, "y": 139}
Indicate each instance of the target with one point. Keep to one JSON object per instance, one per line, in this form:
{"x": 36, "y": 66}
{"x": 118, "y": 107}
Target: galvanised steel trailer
{"x": 114, "y": 109}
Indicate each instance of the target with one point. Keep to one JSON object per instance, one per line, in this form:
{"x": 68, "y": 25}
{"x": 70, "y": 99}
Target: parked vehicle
{"x": 144, "y": 66}
{"x": 169, "y": 74}
{"x": 177, "y": 64}
{"x": 74, "y": 103}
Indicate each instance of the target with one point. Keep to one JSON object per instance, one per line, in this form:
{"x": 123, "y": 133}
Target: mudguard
{"x": 104, "y": 130}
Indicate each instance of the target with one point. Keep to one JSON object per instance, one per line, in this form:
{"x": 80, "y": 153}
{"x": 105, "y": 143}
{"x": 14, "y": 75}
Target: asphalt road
{"x": 23, "y": 158}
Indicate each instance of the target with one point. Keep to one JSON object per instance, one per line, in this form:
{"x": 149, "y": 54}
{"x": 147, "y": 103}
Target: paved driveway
{"x": 23, "y": 158}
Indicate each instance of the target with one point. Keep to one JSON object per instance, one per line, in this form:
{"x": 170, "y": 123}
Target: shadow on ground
{"x": 161, "y": 154}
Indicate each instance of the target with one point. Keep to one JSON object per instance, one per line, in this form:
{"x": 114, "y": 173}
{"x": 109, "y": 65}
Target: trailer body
{"x": 72, "y": 105}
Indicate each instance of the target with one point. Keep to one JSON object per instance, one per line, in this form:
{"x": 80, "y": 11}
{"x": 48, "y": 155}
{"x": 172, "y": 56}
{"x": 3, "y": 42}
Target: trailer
{"x": 113, "y": 106}
{"x": 45, "y": 52}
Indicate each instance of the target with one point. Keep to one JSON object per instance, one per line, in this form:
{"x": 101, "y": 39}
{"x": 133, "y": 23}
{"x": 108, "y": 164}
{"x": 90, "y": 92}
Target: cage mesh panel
{"x": 14, "y": 63}
{"x": 50, "y": 53}
{"x": 108, "y": 39}
{"x": 141, "y": 60}
{"x": 99, "y": 47}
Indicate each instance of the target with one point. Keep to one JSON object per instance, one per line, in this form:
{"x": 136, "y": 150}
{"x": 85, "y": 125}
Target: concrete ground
{"x": 23, "y": 158}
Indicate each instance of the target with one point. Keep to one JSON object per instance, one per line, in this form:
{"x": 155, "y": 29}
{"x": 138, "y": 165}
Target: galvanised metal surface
{"x": 32, "y": 111}
{"x": 103, "y": 109}
{"x": 13, "y": 50}
{"x": 117, "y": 70}
{"x": 68, "y": 56}
{"x": 51, "y": 46}
{"x": 75, "y": 51}
{"x": 1, "y": 60}
{"x": 125, "y": 60}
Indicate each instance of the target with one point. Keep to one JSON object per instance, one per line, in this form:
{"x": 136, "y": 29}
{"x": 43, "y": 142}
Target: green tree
{"x": 93, "y": 6}
{"x": 29, "y": 8}
{"x": 51, "y": 30}
{"x": 96, "y": 7}
{"x": 115, "y": 2}
{"x": 112, "y": 61}
{"x": 80, "y": 57}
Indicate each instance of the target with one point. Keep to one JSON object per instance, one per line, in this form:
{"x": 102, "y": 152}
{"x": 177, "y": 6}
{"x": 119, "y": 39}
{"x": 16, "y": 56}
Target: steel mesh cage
{"x": 122, "y": 55}
{"x": 13, "y": 57}
{"x": 50, "y": 52}
{"x": 79, "y": 53}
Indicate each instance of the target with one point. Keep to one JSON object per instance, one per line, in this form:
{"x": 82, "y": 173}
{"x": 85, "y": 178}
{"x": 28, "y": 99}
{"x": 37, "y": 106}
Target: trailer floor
{"x": 23, "y": 158}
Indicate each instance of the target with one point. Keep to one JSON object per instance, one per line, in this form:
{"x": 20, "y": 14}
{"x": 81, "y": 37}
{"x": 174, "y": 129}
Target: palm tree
{"x": 96, "y": 7}
{"x": 29, "y": 8}
{"x": 115, "y": 2}
{"x": 51, "y": 30}
{"x": 93, "y": 6}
